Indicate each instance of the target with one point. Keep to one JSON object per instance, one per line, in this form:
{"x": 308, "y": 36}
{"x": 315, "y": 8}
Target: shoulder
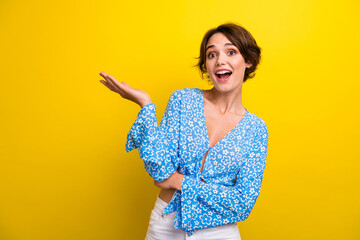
{"x": 186, "y": 94}
{"x": 187, "y": 91}
{"x": 257, "y": 123}
{"x": 176, "y": 95}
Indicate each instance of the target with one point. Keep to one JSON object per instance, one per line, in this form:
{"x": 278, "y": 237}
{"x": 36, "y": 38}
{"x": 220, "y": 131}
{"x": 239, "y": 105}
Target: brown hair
{"x": 242, "y": 39}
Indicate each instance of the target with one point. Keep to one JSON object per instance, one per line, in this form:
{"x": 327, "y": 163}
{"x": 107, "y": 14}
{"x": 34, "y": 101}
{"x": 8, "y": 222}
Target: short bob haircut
{"x": 242, "y": 39}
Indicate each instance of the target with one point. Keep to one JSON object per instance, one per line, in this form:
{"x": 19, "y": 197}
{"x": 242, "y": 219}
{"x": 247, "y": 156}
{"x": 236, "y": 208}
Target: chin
{"x": 227, "y": 87}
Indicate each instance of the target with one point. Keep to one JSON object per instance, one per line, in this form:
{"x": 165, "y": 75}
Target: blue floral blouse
{"x": 233, "y": 168}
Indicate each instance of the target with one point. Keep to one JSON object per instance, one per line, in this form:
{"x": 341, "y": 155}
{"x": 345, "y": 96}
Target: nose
{"x": 221, "y": 59}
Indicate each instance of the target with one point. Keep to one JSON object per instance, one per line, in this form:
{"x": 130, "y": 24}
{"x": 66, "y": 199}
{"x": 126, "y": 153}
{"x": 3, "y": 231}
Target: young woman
{"x": 208, "y": 155}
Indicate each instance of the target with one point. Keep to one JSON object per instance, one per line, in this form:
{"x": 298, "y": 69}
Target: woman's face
{"x": 224, "y": 63}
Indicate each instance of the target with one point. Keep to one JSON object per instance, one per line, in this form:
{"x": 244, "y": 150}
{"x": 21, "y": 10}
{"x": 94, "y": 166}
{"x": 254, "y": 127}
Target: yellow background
{"x": 64, "y": 172}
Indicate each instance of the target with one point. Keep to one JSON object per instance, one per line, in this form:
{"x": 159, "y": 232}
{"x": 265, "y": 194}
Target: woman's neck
{"x": 225, "y": 102}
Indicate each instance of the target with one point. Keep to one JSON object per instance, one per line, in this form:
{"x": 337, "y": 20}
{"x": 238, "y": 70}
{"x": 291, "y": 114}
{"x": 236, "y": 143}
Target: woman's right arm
{"x": 135, "y": 95}
{"x": 157, "y": 145}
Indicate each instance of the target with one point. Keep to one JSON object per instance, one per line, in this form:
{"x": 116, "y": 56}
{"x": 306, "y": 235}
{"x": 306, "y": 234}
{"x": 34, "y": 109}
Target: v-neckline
{"x": 206, "y": 129}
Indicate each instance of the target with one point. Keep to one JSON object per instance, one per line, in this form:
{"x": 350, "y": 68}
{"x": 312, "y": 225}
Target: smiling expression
{"x": 224, "y": 63}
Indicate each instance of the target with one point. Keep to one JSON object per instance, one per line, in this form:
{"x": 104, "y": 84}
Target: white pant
{"x": 162, "y": 228}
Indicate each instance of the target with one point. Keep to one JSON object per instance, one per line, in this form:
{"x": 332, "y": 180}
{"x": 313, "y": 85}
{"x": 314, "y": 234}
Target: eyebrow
{"x": 226, "y": 44}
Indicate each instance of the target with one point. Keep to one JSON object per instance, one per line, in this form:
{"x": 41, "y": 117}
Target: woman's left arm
{"x": 207, "y": 204}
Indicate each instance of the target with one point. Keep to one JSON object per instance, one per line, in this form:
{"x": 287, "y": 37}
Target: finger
{"x": 106, "y": 76}
{"x": 110, "y": 81}
{"x": 113, "y": 82}
{"x": 115, "y": 86}
{"x": 116, "y": 83}
{"x": 125, "y": 84}
{"x": 107, "y": 85}
{"x": 103, "y": 74}
{"x": 117, "y": 90}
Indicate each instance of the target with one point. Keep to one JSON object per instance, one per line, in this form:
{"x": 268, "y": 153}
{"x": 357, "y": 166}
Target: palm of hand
{"x": 133, "y": 94}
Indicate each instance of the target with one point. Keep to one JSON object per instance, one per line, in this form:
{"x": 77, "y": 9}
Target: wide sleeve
{"x": 206, "y": 204}
{"x": 157, "y": 145}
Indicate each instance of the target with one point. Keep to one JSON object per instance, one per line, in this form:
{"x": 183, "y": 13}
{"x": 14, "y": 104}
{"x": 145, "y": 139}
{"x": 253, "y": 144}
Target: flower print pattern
{"x": 233, "y": 168}
{"x": 157, "y": 144}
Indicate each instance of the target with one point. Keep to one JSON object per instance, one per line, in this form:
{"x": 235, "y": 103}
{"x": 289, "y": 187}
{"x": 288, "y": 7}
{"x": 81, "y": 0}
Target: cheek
{"x": 208, "y": 70}
{"x": 241, "y": 65}
{"x": 209, "y": 64}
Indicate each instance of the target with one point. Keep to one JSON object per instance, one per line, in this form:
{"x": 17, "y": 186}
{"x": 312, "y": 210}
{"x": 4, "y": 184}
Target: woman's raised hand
{"x": 135, "y": 95}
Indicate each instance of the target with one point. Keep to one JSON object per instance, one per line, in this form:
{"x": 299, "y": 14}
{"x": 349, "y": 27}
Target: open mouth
{"x": 223, "y": 75}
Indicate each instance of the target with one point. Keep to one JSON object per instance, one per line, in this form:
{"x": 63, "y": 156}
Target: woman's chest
{"x": 220, "y": 163}
{"x": 219, "y": 125}
{"x": 219, "y": 149}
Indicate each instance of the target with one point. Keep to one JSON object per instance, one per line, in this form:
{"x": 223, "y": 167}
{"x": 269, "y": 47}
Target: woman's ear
{"x": 248, "y": 65}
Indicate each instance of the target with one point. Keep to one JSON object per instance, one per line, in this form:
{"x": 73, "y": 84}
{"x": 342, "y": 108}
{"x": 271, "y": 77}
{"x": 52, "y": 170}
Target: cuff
{"x": 140, "y": 132}
{"x": 189, "y": 202}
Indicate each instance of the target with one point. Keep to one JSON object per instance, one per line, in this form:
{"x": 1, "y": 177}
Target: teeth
{"x": 223, "y": 72}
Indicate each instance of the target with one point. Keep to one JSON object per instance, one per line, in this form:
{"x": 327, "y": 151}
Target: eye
{"x": 211, "y": 55}
{"x": 232, "y": 52}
